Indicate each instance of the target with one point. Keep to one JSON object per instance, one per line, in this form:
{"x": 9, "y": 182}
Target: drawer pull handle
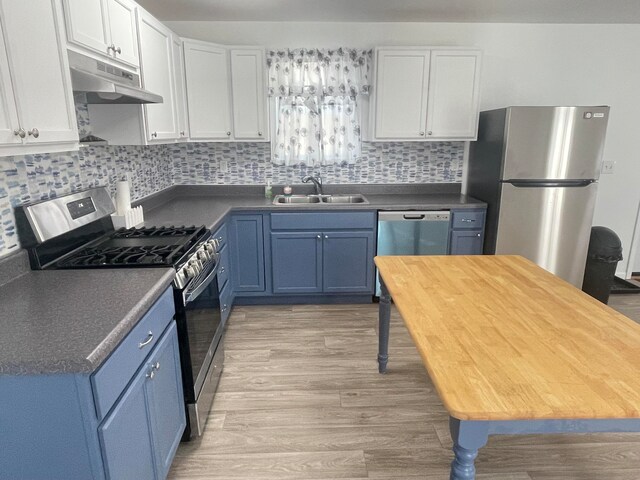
{"x": 224, "y": 307}
{"x": 156, "y": 366}
{"x": 147, "y": 341}
{"x": 222, "y": 270}
{"x": 469, "y": 220}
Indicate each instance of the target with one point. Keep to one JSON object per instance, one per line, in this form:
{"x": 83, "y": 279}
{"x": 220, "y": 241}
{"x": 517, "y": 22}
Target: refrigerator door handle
{"x": 549, "y": 183}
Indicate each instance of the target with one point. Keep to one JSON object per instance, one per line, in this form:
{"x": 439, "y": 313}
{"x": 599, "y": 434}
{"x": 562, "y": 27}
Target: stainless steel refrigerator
{"x": 537, "y": 168}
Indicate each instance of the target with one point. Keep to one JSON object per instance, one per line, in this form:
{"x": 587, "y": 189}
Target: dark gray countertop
{"x": 69, "y": 321}
{"x": 191, "y": 205}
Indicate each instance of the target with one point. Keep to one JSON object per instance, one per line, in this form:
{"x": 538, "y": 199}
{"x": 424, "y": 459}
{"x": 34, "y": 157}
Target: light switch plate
{"x": 608, "y": 167}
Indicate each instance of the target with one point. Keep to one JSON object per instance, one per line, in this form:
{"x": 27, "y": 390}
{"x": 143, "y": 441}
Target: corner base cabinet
{"x": 123, "y": 421}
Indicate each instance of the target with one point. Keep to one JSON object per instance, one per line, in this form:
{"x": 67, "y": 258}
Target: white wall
{"x": 524, "y": 64}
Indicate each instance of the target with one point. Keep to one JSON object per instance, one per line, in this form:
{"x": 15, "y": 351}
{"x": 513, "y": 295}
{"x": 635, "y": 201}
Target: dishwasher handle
{"x": 414, "y": 216}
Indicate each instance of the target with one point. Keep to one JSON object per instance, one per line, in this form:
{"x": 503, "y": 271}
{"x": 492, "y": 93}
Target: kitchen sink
{"x": 356, "y": 198}
{"x": 283, "y": 200}
{"x": 319, "y": 199}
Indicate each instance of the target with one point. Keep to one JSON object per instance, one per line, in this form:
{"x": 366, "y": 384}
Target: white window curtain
{"x": 316, "y": 95}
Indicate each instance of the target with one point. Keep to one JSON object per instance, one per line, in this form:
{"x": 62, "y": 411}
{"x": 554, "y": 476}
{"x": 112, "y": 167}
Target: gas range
{"x": 83, "y": 237}
{"x": 75, "y": 232}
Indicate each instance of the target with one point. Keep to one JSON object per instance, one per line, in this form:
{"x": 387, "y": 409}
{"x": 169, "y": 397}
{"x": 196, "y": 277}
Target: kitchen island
{"x": 512, "y": 349}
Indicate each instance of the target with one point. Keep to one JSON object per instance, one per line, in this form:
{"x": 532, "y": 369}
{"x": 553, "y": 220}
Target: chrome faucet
{"x": 317, "y": 183}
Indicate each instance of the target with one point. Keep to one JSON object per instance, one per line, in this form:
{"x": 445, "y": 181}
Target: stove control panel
{"x": 201, "y": 260}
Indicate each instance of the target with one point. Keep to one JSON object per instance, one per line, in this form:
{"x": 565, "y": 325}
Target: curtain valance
{"x": 318, "y": 72}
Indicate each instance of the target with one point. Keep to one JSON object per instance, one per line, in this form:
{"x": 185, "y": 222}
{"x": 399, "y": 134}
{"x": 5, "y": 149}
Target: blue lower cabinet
{"x": 348, "y": 262}
{"x": 122, "y": 421}
{"x": 296, "y": 262}
{"x": 126, "y": 437}
{"x": 247, "y": 253}
{"x": 466, "y": 242}
{"x": 165, "y": 401}
{"x": 140, "y": 436}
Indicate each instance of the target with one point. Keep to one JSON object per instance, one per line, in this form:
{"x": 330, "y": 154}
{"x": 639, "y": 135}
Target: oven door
{"x": 203, "y": 324}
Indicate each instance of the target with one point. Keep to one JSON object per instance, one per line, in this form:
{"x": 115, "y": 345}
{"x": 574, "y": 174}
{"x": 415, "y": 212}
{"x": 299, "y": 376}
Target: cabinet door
{"x": 247, "y": 253}
{"x": 296, "y": 262}
{"x": 453, "y": 94}
{"x": 34, "y": 44}
{"x": 208, "y": 99}
{"x": 466, "y": 242}
{"x": 248, "y": 94}
{"x": 180, "y": 91}
{"x": 348, "y": 262}
{"x": 8, "y": 114}
{"x": 402, "y": 82}
{"x": 125, "y": 435}
{"x": 123, "y": 30}
{"x": 87, "y": 24}
{"x": 165, "y": 400}
{"x": 156, "y": 47}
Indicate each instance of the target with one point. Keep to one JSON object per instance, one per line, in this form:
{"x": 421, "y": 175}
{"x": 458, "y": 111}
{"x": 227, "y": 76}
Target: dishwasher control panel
{"x": 419, "y": 216}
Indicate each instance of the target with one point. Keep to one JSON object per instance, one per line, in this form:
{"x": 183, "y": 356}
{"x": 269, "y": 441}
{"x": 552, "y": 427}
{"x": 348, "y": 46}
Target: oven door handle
{"x": 190, "y": 293}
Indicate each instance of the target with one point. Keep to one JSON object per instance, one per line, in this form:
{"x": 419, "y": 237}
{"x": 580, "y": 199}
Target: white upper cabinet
{"x": 422, "y": 93}
{"x": 156, "y": 51}
{"x": 38, "y": 107}
{"x": 248, "y": 94}
{"x": 208, "y": 98}
{"x": 122, "y": 27}
{"x": 105, "y": 27}
{"x": 453, "y": 94}
{"x": 401, "y": 93}
{"x": 8, "y": 114}
{"x": 180, "y": 90}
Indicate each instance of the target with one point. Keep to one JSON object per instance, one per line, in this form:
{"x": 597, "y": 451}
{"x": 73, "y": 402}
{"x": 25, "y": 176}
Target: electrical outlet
{"x": 224, "y": 166}
{"x": 608, "y": 167}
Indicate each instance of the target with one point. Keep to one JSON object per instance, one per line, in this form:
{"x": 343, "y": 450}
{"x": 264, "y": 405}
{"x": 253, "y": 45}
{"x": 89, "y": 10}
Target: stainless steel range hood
{"x": 100, "y": 82}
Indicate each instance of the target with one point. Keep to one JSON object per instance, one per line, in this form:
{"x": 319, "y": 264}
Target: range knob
{"x": 189, "y": 272}
{"x": 203, "y": 254}
{"x": 215, "y": 244}
{"x": 195, "y": 265}
{"x": 209, "y": 248}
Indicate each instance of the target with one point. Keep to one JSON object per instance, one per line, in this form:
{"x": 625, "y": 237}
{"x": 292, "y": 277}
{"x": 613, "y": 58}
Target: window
{"x": 316, "y": 96}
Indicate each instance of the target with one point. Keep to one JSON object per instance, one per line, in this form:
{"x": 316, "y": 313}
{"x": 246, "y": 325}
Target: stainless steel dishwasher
{"x": 412, "y": 233}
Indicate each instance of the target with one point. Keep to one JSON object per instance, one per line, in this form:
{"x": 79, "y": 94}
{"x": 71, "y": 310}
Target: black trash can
{"x": 605, "y": 251}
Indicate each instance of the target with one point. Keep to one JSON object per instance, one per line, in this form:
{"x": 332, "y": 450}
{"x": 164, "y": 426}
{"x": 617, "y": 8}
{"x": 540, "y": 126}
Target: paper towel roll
{"x": 123, "y": 197}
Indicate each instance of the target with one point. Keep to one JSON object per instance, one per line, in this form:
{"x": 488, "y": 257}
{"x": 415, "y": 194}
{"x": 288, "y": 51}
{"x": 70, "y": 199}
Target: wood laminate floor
{"x": 300, "y": 398}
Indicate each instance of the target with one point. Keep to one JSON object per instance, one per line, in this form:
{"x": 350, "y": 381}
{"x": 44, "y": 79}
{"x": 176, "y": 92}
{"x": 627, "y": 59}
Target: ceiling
{"x": 500, "y": 11}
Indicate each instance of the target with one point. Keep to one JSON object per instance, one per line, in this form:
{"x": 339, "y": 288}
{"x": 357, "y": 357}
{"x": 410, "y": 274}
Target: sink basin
{"x": 283, "y": 200}
{"x": 356, "y": 198}
{"x": 318, "y": 200}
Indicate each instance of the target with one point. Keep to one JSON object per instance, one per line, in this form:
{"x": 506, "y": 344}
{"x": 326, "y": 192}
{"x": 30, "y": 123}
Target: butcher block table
{"x": 512, "y": 349}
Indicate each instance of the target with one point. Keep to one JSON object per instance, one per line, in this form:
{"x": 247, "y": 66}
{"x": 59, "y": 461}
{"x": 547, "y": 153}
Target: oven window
{"x": 203, "y": 320}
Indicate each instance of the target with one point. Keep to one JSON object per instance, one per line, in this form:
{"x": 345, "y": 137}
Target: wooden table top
{"x": 503, "y": 339}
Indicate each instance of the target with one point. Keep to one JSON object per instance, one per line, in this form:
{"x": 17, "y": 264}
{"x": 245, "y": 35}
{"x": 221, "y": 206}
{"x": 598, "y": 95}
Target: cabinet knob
{"x": 478, "y": 235}
{"x": 156, "y": 366}
{"x": 182, "y": 134}
{"x": 429, "y": 132}
{"x": 151, "y": 374}
{"x": 20, "y": 133}
{"x": 118, "y": 50}
{"x": 259, "y": 134}
{"x": 422, "y": 134}
{"x": 222, "y": 270}
{"x": 326, "y": 236}
{"x": 35, "y": 132}
{"x": 154, "y": 134}
{"x": 228, "y": 134}
{"x": 319, "y": 237}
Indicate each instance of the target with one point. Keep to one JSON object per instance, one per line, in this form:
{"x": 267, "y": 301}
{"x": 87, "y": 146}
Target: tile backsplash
{"x": 29, "y": 178}
{"x": 248, "y": 163}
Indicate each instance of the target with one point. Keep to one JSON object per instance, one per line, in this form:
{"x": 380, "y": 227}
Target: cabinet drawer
{"x": 225, "y": 302}
{"x": 322, "y": 220}
{"x": 223, "y": 268}
{"x": 114, "y": 375}
{"x": 221, "y": 235}
{"x": 468, "y": 219}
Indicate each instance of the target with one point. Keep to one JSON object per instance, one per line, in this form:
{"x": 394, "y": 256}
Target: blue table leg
{"x": 468, "y": 438}
{"x": 384, "y": 317}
